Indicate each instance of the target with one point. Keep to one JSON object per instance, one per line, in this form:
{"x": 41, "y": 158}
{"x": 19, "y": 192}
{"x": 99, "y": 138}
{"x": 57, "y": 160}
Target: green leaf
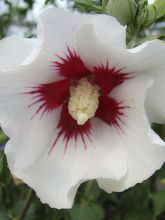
{"x": 3, "y": 137}
{"x": 30, "y": 3}
{"x": 86, "y": 211}
{"x": 1, "y": 161}
{"x": 4, "y": 215}
{"x": 115, "y": 215}
{"x": 140, "y": 41}
{"x": 138, "y": 195}
{"x": 88, "y": 6}
{"x": 159, "y": 203}
{"x": 1, "y": 194}
{"x": 123, "y": 11}
{"x": 5, "y": 175}
{"x": 49, "y": 2}
{"x": 92, "y": 190}
{"x": 144, "y": 214}
{"x": 157, "y": 7}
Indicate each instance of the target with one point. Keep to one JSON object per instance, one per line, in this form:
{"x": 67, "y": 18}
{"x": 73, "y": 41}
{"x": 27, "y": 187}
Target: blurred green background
{"x": 145, "y": 201}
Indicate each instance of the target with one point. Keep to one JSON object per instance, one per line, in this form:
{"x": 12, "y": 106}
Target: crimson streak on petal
{"x": 69, "y": 129}
{"x": 71, "y": 67}
{"x": 110, "y": 111}
{"x": 50, "y": 95}
{"x": 109, "y": 78}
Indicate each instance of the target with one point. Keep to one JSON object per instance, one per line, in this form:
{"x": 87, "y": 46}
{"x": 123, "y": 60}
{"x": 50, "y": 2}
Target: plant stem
{"x": 26, "y": 205}
{"x": 88, "y": 187}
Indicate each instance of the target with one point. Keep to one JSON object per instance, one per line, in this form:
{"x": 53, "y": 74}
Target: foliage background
{"x": 145, "y": 201}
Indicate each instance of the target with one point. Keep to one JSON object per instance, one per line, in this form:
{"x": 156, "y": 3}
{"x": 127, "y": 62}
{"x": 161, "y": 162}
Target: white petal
{"x": 14, "y": 50}
{"x": 95, "y": 50}
{"x": 66, "y": 24}
{"x": 146, "y": 59}
{"x": 155, "y": 101}
{"x": 19, "y": 122}
{"x": 28, "y": 138}
{"x": 145, "y": 150}
{"x": 56, "y": 176}
{"x": 109, "y": 31}
{"x": 34, "y": 69}
{"x": 57, "y": 28}
{"x": 51, "y": 43}
{"x": 150, "y": 61}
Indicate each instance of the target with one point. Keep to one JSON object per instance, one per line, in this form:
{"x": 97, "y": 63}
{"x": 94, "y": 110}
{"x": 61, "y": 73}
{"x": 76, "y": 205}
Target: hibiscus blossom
{"x": 76, "y": 105}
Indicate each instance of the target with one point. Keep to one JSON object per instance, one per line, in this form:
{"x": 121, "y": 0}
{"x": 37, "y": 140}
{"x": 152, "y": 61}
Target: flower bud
{"x": 123, "y": 10}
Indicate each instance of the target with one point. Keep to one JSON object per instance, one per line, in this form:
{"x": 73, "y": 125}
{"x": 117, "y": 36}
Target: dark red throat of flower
{"x": 48, "y": 97}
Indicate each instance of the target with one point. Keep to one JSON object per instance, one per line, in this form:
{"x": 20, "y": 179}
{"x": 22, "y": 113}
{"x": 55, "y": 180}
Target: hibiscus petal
{"x": 103, "y": 157}
{"x": 71, "y": 66}
{"x": 145, "y": 150}
{"x": 28, "y": 137}
{"x": 109, "y": 31}
{"x": 65, "y": 23}
{"x": 69, "y": 128}
{"x": 146, "y": 59}
{"x": 68, "y": 23}
{"x": 12, "y": 103}
{"x": 110, "y": 110}
{"x": 98, "y": 52}
{"x": 108, "y": 78}
{"x": 149, "y": 59}
{"x": 8, "y": 48}
{"x": 36, "y": 68}
{"x": 48, "y": 96}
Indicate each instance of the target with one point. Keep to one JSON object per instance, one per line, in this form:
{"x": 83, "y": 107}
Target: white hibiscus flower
{"x": 73, "y": 103}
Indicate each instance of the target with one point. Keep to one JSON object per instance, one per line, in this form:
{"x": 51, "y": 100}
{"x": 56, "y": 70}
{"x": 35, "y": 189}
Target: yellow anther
{"x": 83, "y": 102}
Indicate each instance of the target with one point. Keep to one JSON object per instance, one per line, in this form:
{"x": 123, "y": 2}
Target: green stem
{"x": 26, "y": 205}
{"x": 88, "y": 187}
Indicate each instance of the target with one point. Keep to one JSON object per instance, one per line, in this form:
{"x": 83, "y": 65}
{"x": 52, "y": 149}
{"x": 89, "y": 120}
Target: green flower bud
{"x": 123, "y": 10}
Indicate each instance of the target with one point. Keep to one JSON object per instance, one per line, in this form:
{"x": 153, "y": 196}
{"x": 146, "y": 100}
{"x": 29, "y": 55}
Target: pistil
{"x": 84, "y": 101}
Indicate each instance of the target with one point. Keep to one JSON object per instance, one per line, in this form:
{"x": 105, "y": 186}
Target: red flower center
{"x": 52, "y": 95}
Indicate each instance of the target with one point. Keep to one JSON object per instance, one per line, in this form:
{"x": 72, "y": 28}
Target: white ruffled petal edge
{"x": 67, "y": 23}
{"x": 146, "y": 59}
{"x": 145, "y": 150}
{"x": 14, "y": 50}
{"x": 40, "y": 167}
{"x": 56, "y": 176}
{"x": 149, "y": 58}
